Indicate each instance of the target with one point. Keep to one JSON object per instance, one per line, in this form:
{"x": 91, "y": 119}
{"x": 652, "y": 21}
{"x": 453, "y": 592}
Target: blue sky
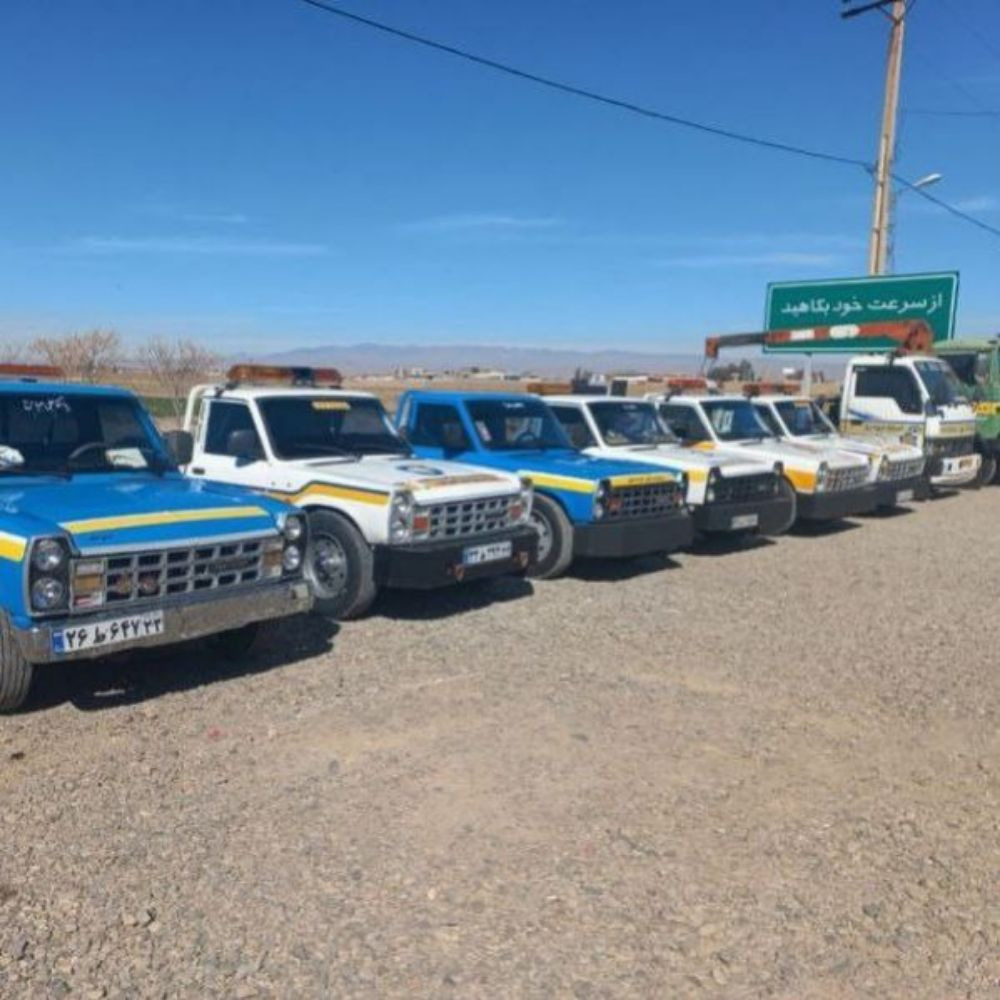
{"x": 261, "y": 175}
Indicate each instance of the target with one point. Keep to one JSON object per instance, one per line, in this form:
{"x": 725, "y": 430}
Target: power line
{"x": 963, "y": 22}
{"x": 590, "y": 95}
{"x": 950, "y": 113}
{"x": 646, "y": 112}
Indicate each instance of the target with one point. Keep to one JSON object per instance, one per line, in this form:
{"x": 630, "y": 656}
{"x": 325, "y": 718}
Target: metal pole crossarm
{"x": 875, "y": 5}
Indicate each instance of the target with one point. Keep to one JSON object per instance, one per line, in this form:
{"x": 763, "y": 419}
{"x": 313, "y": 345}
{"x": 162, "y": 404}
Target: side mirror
{"x": 243, "y": 445}
{"x": 180, "y": 446}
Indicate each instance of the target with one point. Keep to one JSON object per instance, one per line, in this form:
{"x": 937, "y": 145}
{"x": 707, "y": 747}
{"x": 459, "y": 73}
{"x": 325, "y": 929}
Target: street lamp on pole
{"x": 924, "y": 182}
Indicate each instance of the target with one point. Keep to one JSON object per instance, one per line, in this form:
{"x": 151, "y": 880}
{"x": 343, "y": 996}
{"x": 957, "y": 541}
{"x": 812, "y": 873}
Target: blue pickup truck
{"x": 583, "y": 506}
{"x": 105, "y": 546}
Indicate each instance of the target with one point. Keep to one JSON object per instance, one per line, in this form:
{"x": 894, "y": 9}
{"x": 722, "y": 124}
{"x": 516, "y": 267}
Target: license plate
{"x": 473, "y": 555}
{"x": 744, "y": 521}
{"x": 904, "y": 496}
{"x": 107, "y": 633}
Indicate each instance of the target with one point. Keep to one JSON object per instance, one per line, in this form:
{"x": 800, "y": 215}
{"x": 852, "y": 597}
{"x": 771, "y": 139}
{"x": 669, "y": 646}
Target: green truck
{"x": 976, "y": 363}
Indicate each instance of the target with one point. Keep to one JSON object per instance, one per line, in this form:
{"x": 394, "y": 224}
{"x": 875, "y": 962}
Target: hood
{"x": 696, "y": 464}
{"x": 575, "y": 467}
{"x": 430, "y": 480}
{"x": 795, "y": 454}
{"x": 112, "y": 511}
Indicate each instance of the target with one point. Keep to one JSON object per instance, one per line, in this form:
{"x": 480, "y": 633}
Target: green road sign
{"x": 796, "y": 305}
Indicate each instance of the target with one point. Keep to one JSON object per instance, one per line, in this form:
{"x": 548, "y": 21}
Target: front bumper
{"x": 771, "y": 515}
{"x": 897, "y": 491}
{"x": 190, "y": 617}
{"x": 843, "y": 503}
{"x": 639, "y": 536}
{"x": 426, "y": 565}
{"x": 955, "y": 470}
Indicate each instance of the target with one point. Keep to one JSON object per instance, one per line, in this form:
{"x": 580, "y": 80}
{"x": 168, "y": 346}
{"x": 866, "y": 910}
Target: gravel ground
{"x": 764, "y": 772}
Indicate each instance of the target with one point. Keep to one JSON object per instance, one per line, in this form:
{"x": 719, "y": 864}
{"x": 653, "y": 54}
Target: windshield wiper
{"x": 388, "y": 449}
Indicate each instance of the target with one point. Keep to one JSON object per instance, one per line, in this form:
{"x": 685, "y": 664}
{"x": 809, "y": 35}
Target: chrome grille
{"x": 838, "y": 480}
{"x": 906, "y": 469}
{"x": 465, "y": 518}
{"x": 742, "y": 489}
{"x": 644, "y": 501}
{"x": 137, "y": 577}
{"x": 946, "y": 447}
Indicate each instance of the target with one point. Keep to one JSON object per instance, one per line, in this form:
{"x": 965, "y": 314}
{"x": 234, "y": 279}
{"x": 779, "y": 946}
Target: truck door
{"x": 229, "y": 446}
{"x": 882, "y": 399}
{"x": 436, "y": 430}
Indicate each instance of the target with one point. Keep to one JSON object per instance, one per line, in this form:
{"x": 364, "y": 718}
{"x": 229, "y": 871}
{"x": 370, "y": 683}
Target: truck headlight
{"x": 291, "y": 559}
{"x": 713, "y": 478}
{"x": 47, "y": 593}
{"x": 522, "y": 511}
{"x": 601, "y": 499}
{"x": 294, "y": 528}
{"x": 48, "y": 555}
{"x": 821, "y": 476}
{"x": 400, "y": 515}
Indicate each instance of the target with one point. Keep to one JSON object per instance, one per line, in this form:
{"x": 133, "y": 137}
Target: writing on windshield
{"x": 734, "y": 420}
{"x": 624, "y": 423}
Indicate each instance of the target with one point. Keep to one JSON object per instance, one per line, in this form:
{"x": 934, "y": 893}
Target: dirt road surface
{"x": 772, "y": 772}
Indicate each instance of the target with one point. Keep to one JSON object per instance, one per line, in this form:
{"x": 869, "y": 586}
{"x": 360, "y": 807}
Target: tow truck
{"x": 908, "y": 394}
{"x": 105, "y": 546}
{"x": 826, "y": 483}
{"x": 378, "y": 515}
{"x": 896, "y": 469}
{"x": 592, "y": 507}
{"x": 726, "y": 493}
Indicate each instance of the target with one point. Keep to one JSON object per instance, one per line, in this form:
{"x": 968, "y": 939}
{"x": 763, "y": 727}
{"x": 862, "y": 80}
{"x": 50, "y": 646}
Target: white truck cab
{"x": 726, "y": 493}
{"x": 895, "y": 468}
{"x": 918, "y": 399}
{"x": 378, "y": 515}
{"x": 828, "y": 483}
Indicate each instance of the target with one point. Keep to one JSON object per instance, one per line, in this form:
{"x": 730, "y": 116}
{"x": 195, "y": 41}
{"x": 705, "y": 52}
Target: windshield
{"x": 941, "y": 383}
{"x": 631, "y": 423}
{"x": 513, "y": 424}
{"x": 67, "y": 432}
{"x": 802, "y": 416}
{"x": 972, "y": 369}
{"x": 324, "y": 426}
{"x": 735, "y": 420}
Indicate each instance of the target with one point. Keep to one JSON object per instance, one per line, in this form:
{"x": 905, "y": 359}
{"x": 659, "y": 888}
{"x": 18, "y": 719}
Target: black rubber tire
{"x": 988, "y": 470}
{"x": 357, "y": 594}
{"x": 548, "y": 516}
{"x": 786, "y": 491}
{"x": 235, "y": 643}
{"x": 15, "y": 671}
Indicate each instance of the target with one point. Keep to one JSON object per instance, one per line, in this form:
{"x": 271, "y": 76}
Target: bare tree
{"x": 175, "y": 366}
{"x": 13, "y": 352}
{"x": 87, "y": 357}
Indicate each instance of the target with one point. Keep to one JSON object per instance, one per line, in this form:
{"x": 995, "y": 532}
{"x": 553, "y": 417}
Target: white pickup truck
{"x": 895, "y": 468}
{"x": 378, "y": 516}
{"x": 726, "y": 493}
{"x": 829, "y": 483}
{"x": 917, "y": 399}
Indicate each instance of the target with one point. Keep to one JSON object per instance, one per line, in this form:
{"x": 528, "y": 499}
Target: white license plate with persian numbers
{"x": 473, "y": 555}
{"x": 94, "y": 635}
{"x": 904, "y": 496}
{"x": 745, "y": 521}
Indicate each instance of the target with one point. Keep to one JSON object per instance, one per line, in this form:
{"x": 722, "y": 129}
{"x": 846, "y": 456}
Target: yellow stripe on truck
{"x": 336, "y": 492}
{"x": 697, "y": 475}
{"x": 12, "y": 546}
{"x": 561, "y": 482}
{"x": 642, "y": 479}
{"x": 803, "y": 480}
{"x": 162, "y": 517}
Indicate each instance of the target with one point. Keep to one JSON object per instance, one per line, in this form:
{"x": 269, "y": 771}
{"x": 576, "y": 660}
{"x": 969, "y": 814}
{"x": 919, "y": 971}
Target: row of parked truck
{"x": 284, "y": 493}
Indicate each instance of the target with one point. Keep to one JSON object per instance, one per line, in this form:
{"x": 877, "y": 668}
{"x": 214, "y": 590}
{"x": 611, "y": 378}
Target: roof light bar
{"x": 31, "y": 371}
{"x": 285, "y": 375}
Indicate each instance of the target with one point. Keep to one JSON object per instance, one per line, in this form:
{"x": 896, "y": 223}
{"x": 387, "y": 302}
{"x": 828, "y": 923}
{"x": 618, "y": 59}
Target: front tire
{"x": 787, "y": 492}
{"x": 339, "y": 566}
{"x": 988, "y": 470}
{"x": 15, "y": 671}
{"x": 555, "y": 539}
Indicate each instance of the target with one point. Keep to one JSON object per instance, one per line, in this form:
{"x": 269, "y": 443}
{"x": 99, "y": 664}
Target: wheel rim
{"x": 329, "y": 565}
{"x": 544, "y": 529}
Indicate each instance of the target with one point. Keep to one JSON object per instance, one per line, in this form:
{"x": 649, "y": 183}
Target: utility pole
{"x": 878, "y": 246}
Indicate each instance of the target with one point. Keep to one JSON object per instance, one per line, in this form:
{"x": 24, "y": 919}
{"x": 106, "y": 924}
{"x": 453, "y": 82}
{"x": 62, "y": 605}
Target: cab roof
{"x": 10, "y": 386}
{"x": 584, "y": 397}
{"x": 264, "y": 391}
{"x": 451, "y": 395}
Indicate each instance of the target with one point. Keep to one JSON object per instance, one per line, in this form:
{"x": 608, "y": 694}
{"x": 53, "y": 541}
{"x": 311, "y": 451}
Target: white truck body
{"x": 916, "y": 399}
{"x": 829, "y": 482}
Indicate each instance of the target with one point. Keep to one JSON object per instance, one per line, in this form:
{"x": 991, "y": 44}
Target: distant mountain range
{"x": 373, "y": 359}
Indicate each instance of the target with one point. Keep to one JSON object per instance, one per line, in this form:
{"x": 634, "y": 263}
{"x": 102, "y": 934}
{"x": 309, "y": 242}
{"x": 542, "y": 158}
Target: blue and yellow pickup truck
{"x": 583, "y": 506}
{"x": 105, "y": 546}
